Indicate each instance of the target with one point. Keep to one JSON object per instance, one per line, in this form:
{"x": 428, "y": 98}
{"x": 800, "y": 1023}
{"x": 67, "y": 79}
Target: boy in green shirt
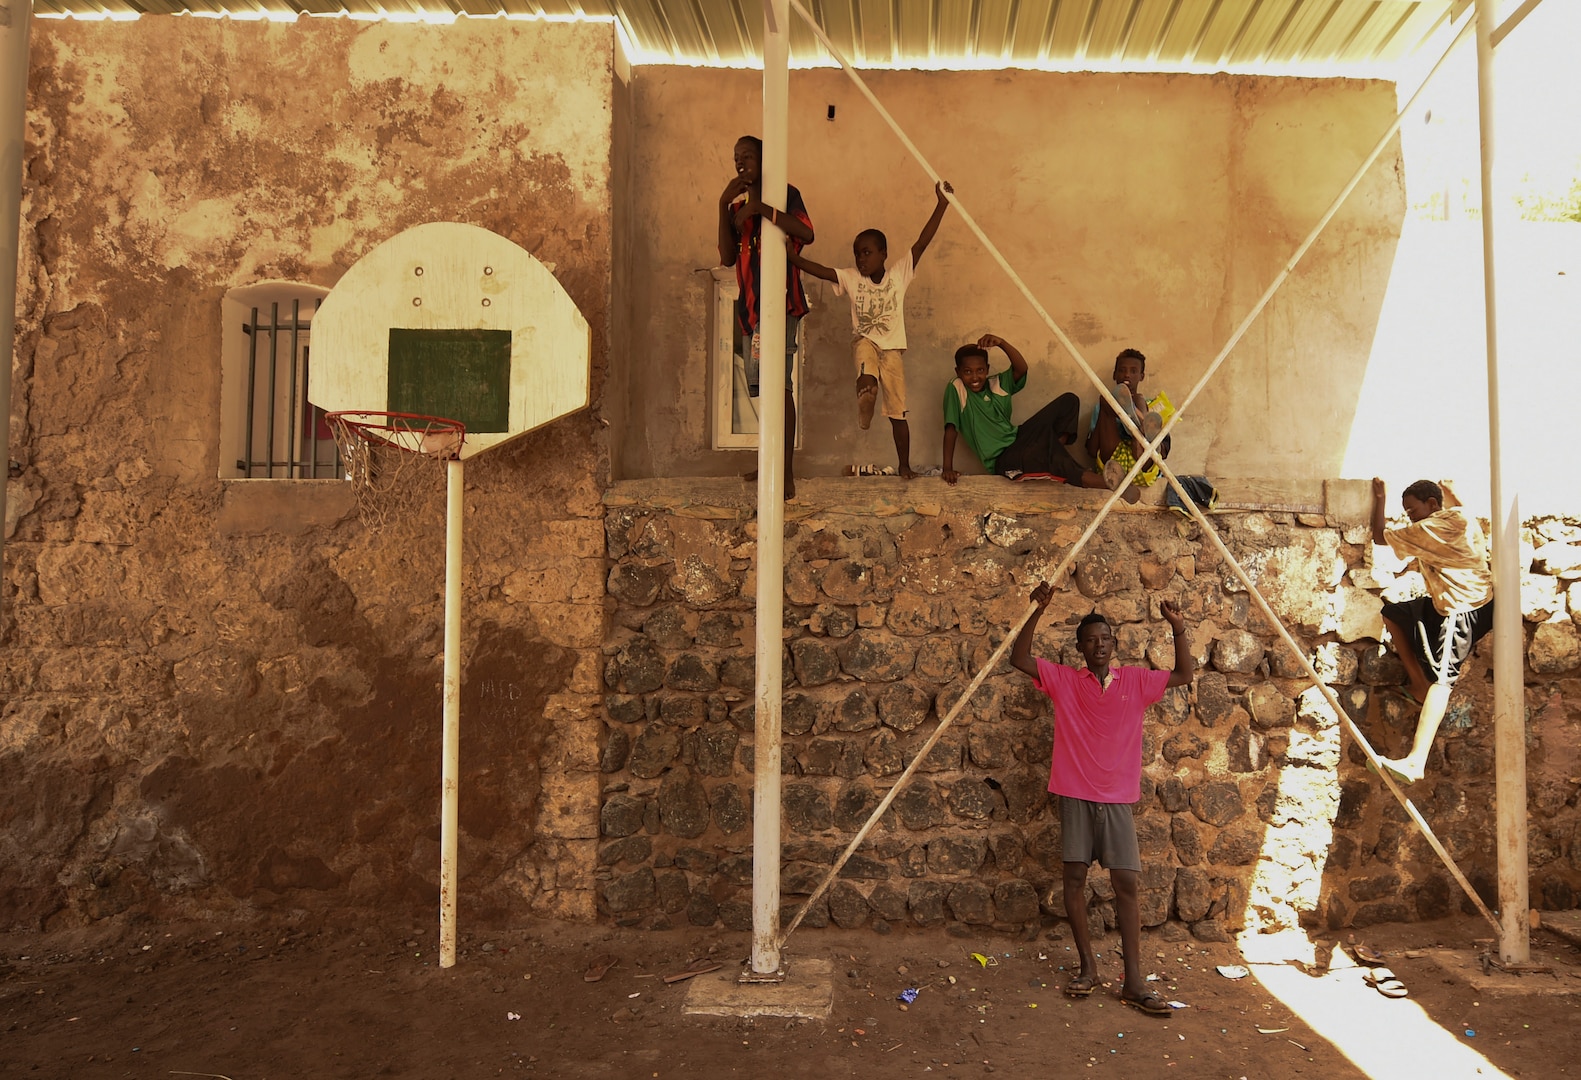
{"x": 977, "y": 408}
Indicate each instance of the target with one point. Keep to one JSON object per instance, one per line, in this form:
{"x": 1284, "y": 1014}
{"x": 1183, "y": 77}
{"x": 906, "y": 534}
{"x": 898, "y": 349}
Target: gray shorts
{"x": 1098, "y": 832}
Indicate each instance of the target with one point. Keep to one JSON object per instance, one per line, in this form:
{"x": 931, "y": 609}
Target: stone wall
{"x": 1254, "y": 811}
{"x": 224, "y": 697}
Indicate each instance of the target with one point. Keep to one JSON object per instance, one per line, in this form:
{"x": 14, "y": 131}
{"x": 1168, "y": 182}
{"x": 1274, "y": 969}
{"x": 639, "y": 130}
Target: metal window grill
{"x": 286, "y": 435}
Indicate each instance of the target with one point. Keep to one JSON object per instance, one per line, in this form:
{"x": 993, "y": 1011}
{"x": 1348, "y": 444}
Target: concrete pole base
{"x": 807, "y": 991}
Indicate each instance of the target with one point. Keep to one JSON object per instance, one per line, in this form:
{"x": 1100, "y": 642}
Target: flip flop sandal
{"x": 1152, "y": 1003}
{"x": 1385, "y": 982}
{"x": 1365, "y": 954}
{"x": 701, "y": 966}
{"x": 599, "y": 967}
{"x": 1081, "y": 986}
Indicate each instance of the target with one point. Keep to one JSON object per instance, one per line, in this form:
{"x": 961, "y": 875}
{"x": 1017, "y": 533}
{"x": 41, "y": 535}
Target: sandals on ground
{"x": 600, "y": 967}
{"x": 1385, "y": 982}
{"x": 1367, "y": 955}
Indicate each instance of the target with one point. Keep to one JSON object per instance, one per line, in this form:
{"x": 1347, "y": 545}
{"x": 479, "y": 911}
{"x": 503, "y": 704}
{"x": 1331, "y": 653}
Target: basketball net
{"x": 393, "y": 460}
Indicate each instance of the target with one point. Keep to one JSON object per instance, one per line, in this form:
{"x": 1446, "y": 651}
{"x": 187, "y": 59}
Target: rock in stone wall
{"x": 1254, "y": 811}
{"x": 225, "y": 697}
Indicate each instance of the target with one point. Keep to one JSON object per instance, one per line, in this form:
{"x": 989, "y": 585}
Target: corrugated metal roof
{"x": 1309, "y": 36}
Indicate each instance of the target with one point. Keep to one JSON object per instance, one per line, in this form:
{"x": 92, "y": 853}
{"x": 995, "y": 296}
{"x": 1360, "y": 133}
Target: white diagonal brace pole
{"x": 1509, "y": 640}
{"x": 1503, "y": 29}
{"x": 1148, "y": 448}
{"x": 770, "y": 611}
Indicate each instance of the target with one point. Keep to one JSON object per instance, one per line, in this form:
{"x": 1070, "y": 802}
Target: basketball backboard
{"x": 452, "y": 320}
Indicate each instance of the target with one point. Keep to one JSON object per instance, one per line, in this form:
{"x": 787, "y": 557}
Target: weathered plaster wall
{"x": 1142, "y": 210}
{"x": 225, "y": 696}
{"x": 1256, "y": 810}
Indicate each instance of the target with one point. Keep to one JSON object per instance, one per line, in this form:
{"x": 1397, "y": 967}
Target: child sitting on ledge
{"x": 977, "y": 409}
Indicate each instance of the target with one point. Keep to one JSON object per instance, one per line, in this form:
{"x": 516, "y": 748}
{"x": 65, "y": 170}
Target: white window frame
{"x": 724, "y": 367}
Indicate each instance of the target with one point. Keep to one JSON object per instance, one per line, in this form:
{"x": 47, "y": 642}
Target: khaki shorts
{"x": 884, "y": 365}
{"x": 1101, "y": 832}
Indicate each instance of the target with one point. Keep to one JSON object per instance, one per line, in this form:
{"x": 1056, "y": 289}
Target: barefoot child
{"x": 741, "y": 214}
{"x": 1434, "y": 634}
{"x": 878, "y": 327}
{"x": 1097, "y": 773}
{"x": 977, "y": 410}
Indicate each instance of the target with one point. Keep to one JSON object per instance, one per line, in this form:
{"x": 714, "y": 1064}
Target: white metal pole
{"x": 450, "y": 768}
{"x": 1509, "y": 640}
{"x": 16, "y": 17}
{"x": 771, "y": 493}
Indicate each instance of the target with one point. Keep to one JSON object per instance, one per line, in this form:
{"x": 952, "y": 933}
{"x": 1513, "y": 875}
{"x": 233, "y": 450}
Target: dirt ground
{"x": 320, "y": 1001}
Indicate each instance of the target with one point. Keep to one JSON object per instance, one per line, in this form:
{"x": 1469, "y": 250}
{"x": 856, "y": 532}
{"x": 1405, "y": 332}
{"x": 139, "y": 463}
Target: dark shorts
{"x": 1441, "y": 643}
{"x": 1098, "y": 832}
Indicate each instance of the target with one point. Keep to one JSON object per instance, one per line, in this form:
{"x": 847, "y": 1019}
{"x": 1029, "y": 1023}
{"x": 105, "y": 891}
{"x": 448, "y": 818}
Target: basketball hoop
{"x": 387, "y": 457}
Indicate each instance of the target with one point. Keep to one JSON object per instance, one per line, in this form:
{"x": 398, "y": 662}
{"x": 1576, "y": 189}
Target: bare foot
{"x": 1404, "y": 770}
{"x": 865, "y": 399}
{"x": 906, "y": 473}
{"x": 790, "y": 483}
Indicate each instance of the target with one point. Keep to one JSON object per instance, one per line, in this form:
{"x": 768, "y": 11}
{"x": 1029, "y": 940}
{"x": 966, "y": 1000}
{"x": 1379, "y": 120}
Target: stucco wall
{"x": 225, "y": 696}
{"x": 1142, "y": 210}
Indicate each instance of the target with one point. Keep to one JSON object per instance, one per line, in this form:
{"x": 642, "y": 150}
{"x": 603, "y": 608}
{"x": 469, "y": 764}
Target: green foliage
{"x": 1551, "y": 206}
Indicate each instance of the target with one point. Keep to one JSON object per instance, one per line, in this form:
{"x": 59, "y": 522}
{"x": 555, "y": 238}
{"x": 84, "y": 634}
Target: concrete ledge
{"x": 1466, "y": 965}
{"x": 1567, "y": 924}
{"x": 807, "y": 991}
{"x": 731, "y": 498}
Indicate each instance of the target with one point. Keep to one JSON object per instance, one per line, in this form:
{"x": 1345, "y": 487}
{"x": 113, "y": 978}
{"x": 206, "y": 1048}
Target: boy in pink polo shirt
{"x": 1097, "y": 773}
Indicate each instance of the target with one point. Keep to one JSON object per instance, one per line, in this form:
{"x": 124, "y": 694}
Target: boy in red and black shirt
{"x": 741, "y": 211}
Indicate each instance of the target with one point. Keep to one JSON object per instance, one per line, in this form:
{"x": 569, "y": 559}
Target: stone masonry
{"x": 1254, "y": 811}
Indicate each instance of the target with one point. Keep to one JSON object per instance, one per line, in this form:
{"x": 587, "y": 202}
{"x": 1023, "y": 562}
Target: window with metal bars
{"x": 271, "y": 430}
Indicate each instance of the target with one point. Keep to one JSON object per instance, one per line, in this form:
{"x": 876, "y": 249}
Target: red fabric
{"x": 1098, "y": 732}
{"x": 747, "y": 266}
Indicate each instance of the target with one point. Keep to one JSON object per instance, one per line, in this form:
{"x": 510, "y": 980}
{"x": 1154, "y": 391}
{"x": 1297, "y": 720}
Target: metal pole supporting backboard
{"x": 450, "y": 766}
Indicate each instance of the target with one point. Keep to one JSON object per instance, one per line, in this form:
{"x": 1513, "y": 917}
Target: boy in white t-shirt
{"x": 878, "y": 326}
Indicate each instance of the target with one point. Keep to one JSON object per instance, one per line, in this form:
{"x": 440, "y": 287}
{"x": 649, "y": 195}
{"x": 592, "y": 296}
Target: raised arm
{"x": 926, "y": 236}
{"x": 1185, "y": 663}
{"x": 1018, "y": 363}
{"x": 1021, "y": 652}
{"x": 807, "y": 266}
{"x": 1380, "y": 494}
